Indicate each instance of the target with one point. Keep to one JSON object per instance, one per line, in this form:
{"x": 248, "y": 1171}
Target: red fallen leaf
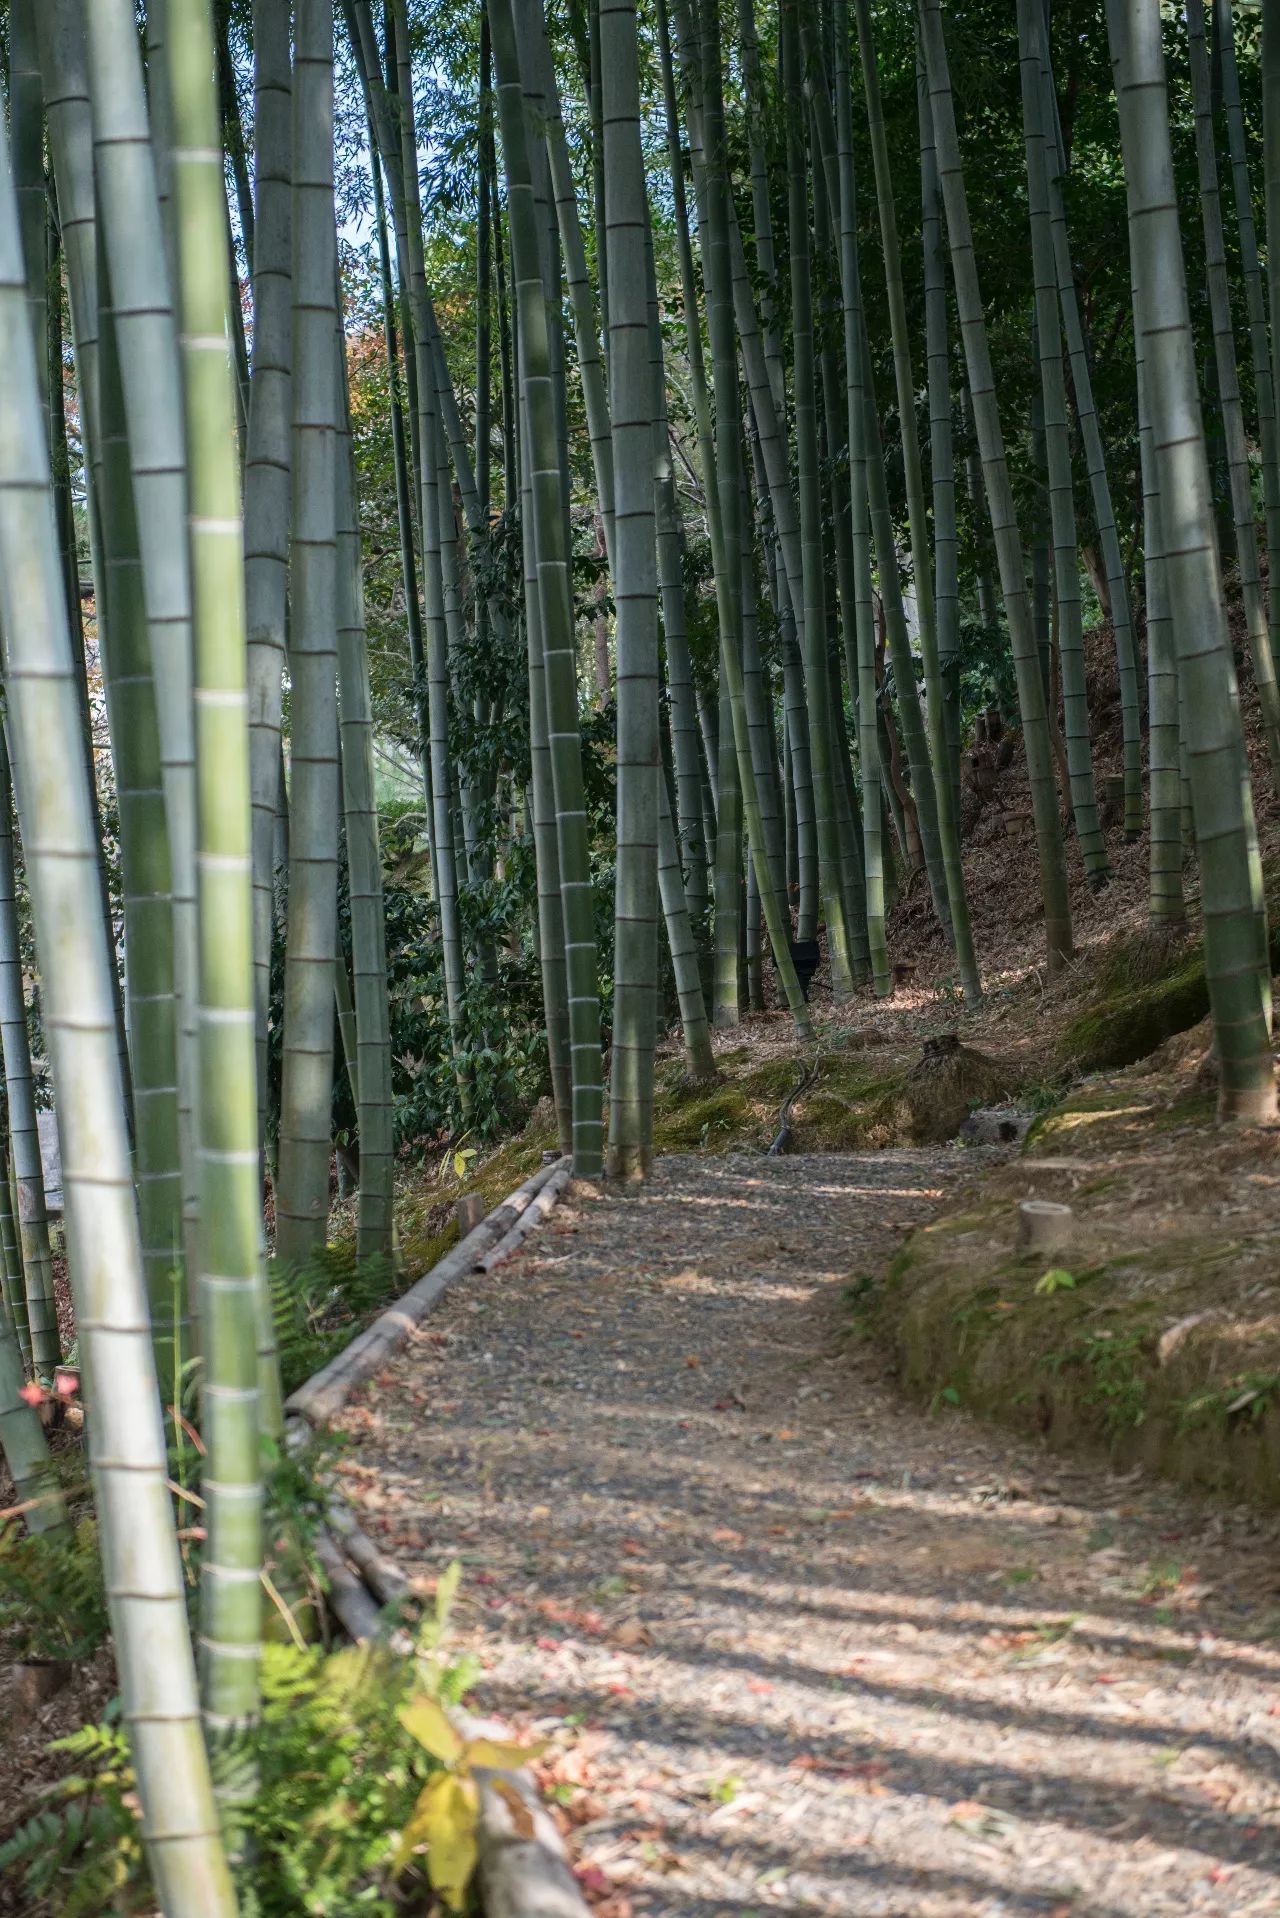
{"x": 760, "y": 1685}
{"x": 547, "y": 1644}
{"x": 619, "y": 1687}
{"x": 483, "y": 1578}
{"x": 1106, "y": 1678}
{"x": 66, "y": 1386}
{"x": 31, "y": 1392}
{"x": 591, "y": 1878}
{"x": 633, "y": 1548}
{"x": 693, "y": 1361}
{"x": 1220, "y": 1874}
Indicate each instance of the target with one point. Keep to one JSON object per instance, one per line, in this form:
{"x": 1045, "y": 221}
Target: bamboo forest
{"x": 639, "y": 883}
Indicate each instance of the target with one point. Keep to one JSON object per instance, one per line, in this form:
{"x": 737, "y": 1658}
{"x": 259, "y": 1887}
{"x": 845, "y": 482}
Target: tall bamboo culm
{"x": 142, "y": 1573}
{"x": 231, "y": 1276}
{"x": 1233, "y": 906}
{"x": 631, "y": 403}
{"x": 306, "y": 1097}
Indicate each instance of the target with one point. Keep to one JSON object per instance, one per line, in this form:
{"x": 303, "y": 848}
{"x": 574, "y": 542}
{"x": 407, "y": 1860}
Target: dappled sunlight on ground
{"x": 799, "y": 1647}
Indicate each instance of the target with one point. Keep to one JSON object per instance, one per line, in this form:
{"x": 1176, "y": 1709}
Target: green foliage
{"x": 339, "y": 1776}
{"x": 52, "y": 1602}
{"x": 318, "y": 1306}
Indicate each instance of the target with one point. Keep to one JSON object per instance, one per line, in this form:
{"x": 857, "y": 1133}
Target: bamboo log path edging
{"x": 524, "y": 1868}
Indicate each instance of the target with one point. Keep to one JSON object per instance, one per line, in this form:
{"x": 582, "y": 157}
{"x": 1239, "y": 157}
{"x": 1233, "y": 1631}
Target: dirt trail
{"x": 820, "y": 1652}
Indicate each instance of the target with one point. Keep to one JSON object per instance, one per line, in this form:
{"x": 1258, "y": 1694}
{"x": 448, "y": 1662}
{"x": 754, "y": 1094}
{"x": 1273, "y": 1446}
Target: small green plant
{"x": 52, "y": 1602}
{"x": 1056, "y": 1279}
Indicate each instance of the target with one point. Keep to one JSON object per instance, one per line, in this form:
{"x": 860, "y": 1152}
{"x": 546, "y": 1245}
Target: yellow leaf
{"x": 444, "y": 1819}
{"x": 492, "y": 1751}
{"x": 424, "y": 1720}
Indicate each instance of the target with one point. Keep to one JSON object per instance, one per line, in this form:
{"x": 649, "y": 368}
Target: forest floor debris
{"x": 799, "y": 1645}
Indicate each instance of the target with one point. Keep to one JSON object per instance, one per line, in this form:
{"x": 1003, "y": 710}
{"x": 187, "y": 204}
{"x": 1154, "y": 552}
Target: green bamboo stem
{"x": 946, "y": 541}
{"x": 813, "y": 564}
{"x": 1095, "y": 457}
{"x": 586, "y": 331}
{"x": 930, "y": 768}
{"x": 1004, "y": 523}
{"x": 364, "y": 864}
{"x": 692, "y": 846}
{"x": 142, "y": 1573}
{"x": 302, "y": 1198}
{"x": 1233, "y": 906}
{"x": 1255, "y": 299}
{"x": 268, "y": 453}
{"x": 859, "y": 625}
{"x": 26, "y": 143}
{"x": 631, "y": 410}
{"x": 1053, "y": 388}
{"x": 727, "y": 894}
{"x": 548, "y": 530}
{"x": 231, "y": 1278}
{"x": 126, "y": 163}
{"x": 146, "y": 875}
{"x": 1232, "y": 410}
{"x": 1166, "y": 903}
{"x": 15, "y": 1291}
{"x": 719, "y": 273}
{"x": 24, "y": 1135}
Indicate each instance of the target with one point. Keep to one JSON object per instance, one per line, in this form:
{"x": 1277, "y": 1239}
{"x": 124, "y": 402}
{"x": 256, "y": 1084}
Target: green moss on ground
{"x": 1117, "y": 1353}
{"x": 1149, "y": 989}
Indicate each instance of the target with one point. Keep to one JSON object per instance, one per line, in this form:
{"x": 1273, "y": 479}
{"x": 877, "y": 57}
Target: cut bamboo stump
{"x": 469, "y": 1212}
{"x": 1044, "y": 1225}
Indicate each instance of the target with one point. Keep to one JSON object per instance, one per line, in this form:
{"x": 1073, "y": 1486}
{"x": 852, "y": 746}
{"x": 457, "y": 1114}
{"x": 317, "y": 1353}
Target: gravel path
{"x": 817, "y": 1651}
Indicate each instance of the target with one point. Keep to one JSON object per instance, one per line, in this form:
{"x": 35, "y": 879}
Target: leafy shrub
{"x": 52, "y": 1602}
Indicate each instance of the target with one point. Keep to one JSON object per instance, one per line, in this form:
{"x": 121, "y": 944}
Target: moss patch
{"x": 1139, "y": 1004}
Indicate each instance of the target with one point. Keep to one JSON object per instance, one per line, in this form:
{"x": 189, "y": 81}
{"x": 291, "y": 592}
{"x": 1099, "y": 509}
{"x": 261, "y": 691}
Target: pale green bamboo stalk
{"x": 146, "y": 876}
{"x": 15, "y": 1291}
{"x": 1255, "y": 299}
{"x": 142, "y": 1573}
{"x": 542, "y": 810}
{"x": 1166, "y": 903}
{"x": 24, "y": 1137}
{"x": 756, "y": 695}
{"x": 437, "y": 504}
{"x": 302, "y": 1200}
{"x": 1095, "y": 457}
{"x": 591, "y": 368}
{"x": 1004, "y": 522}
{"x": 727, "y": 894}
{"x": 268, "y": 452}
{"x": 1053, "y": 388}
{"x": 719, "y": 270}
{"x": 942, "y": 466}
{"x": 1232, "y": 410}
{"x": 26, "y": 140}
{"x": 23, "y": 1445}
{"x": 1233, "y": 905}
{"x": 813, "y": 565}
{"x": 859, "y": 618}
{"x": 692, "y": 846}
{"x": 683, "y": 947}
{"x": 761, "y": 209}
{"x": 372, "y": 1085}
{"x": 550, "y": 536}
{"x": 135, "y": 241}
{"x": 230, "y": 1233}
{"x": 631, "y": 411}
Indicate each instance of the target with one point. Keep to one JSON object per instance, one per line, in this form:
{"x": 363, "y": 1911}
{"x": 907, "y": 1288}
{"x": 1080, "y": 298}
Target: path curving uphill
{"x": 818, "y": 1651}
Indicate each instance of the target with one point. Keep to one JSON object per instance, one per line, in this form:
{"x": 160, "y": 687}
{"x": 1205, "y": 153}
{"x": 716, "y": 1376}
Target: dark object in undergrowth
{"x": 806, "y": 958}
